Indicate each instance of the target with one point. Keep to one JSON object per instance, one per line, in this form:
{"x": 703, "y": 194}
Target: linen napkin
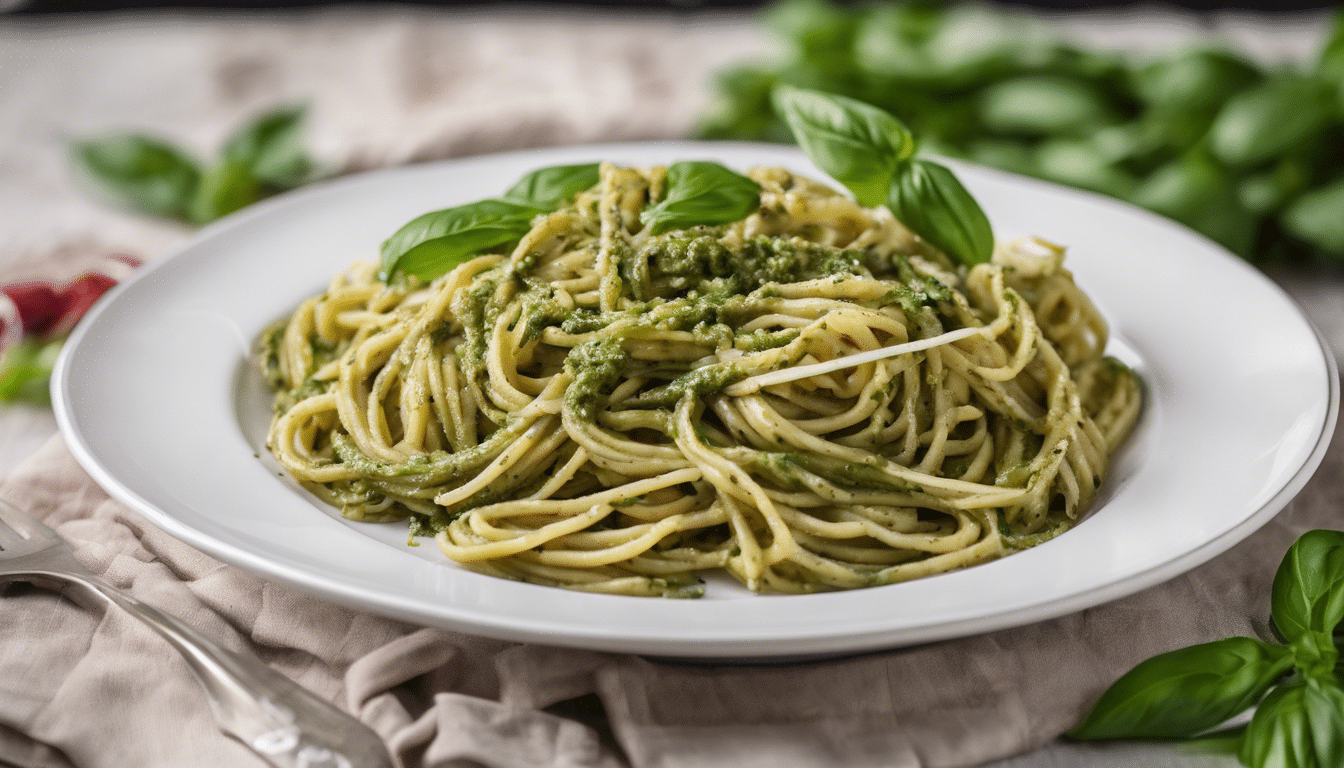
{"x": 90, "y": 690}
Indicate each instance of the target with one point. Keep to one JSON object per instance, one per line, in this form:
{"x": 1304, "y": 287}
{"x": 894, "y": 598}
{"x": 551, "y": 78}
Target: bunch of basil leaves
{"x": 1251, "y": 156}
{"x": 1295, "y": 687}
{"x": 696, "y": 193}
{"x": 872, "y": 153}
{"x": 149, "y": 175}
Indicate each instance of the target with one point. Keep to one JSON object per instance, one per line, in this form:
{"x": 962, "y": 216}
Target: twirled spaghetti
{"x": 808, "y": 398}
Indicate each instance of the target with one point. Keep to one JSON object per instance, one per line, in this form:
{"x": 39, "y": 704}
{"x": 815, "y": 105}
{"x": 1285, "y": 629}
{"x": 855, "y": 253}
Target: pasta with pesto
{"x": 808, "y": 398}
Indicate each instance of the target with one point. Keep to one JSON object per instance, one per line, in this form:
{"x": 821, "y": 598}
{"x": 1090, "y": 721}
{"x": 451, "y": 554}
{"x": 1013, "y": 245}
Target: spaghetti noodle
{"x": 809, "y": 398}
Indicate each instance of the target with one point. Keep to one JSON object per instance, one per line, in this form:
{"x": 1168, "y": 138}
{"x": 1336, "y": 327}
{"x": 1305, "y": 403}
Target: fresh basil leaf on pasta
{"x": 432, "y": 244}
{"x": 1186, "y": 692}
{"x": 550, "y": 188}
{"x": 856, "y": 143}
{"x": 1297, "y": 726}
{"x": 139, "y": 172}
{"x": 271, "y": 147}
{"x": 928, "y": 198}
{"x": 700, "y": 192}
{"x": 1308, "y": 591}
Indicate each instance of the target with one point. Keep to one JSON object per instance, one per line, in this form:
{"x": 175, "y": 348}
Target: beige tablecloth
{"x": 82, "y": 689}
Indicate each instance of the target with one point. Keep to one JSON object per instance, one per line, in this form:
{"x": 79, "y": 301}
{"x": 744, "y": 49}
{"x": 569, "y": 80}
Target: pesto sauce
{"x": 695, "y": 260}
{"x": 594, "y": 367}
{"x": 783, "y": 468}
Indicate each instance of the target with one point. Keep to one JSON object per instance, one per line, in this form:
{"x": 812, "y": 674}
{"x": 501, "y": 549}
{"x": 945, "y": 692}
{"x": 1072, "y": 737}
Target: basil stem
{"x": 1308, "y": 593}
{"x": 856, "y": 143}
{"x": 1297, "y": 726}
{"x": 700, "y": 193}
{"x": 432, "y": 244}
{"x": 928, "y": 199}
{"x": 550, "y": 188}
{"x": 1187, "y": 691}
{"x": 139, "y": 172}
{"x": 271, "y": 148}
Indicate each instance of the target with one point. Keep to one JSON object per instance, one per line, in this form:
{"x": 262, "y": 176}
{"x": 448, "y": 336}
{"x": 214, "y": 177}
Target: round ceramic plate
{"x": 158, "y": 399}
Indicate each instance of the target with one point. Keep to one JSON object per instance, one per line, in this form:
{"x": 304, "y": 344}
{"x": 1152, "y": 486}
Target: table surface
{"x": 76, "y": 76}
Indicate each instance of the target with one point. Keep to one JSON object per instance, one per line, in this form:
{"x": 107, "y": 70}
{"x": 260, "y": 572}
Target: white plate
{"x": 157, "y": 398}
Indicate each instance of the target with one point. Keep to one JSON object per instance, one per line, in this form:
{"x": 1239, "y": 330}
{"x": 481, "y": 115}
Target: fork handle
{"x": 280, "y": 721}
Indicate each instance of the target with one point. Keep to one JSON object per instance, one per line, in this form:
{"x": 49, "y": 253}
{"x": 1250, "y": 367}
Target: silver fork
{"x": 283, "y": 723}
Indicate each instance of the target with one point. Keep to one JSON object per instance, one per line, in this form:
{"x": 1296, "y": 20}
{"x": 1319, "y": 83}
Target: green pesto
{"x": 763, "y": 340}
{"x": 697, "y": 383}
{"x": 429, "y": 469}
{"x": 681, "y": 261}
{"x": 783, "y": 469}
{"x": 594, "y": 367}
{"x": 268, "y": 353}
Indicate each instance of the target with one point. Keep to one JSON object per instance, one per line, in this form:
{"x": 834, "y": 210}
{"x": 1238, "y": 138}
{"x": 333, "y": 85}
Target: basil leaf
{"x": 1318, "y": 218}
{"x": 432, "y": 244}
{"x": 1200, "y": 193}
{"x": 223, "y": 190}
{"x": 140, "y": 172}
{"x": 1185, "y": 692}
{"x": 1270, "y": 119}
{"x": 1081, "y": 163}
{"x": 550, "y": 188}
{"x": 1265, "y": 193}
{"x": 1295, "y": 726}
{"x": 1308, "y": 591}
{"x": 1198, "y": 79}
{"x": 820, "y": 33}
{"x": 26, "y": 369}
{"x": 1044, "y": 105}
{"x": 928, "y": 199}
{"x": 1331, "y": 61}
{"x": 1002, "y": 153}
{"x": 700, "y": 192}
{"x": 271, "y": 147}
{"x": 856, "y": 143}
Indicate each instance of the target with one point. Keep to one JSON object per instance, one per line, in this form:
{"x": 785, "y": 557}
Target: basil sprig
{"x": 149, "y": 175}
{"x": 929, "y": 200}
{"x": 271, "y": 148}
{"x": 857, "y": 144}
{"x": 869, "y": 151}
{"x": 139, "y": 172}
{"x": 550, "y": 188}
{"x": 1186, "y": 691}
{"x": 432, "y": 244}
{"x": 700, "y": 192}
{"x": 1299, "y": 716}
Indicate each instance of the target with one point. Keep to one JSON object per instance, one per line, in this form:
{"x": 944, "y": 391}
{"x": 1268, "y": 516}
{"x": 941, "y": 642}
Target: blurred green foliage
{"x": 1251, "y": 156}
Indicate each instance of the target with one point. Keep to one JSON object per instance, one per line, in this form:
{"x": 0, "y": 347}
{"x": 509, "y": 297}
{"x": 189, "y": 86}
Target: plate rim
{"x": 596, "y": 636}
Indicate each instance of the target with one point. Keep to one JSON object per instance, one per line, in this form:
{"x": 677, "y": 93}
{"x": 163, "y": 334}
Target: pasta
{"x": 809, "y": 398}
